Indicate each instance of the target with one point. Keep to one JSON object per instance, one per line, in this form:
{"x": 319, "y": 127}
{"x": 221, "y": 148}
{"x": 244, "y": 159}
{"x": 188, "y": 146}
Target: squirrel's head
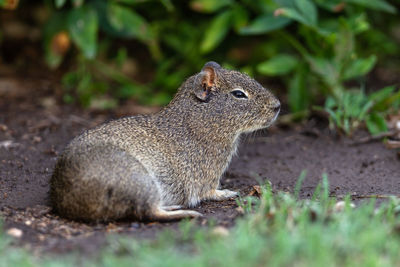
{"x": 234, "y": 97}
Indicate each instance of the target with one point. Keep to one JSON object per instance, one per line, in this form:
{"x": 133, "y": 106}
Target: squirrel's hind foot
{"x": 171, "y": 213}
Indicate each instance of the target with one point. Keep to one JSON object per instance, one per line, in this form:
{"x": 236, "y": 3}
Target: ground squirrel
{"x": 149, "y": 167}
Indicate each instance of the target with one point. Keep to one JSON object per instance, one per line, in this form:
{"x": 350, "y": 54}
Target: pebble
{"x": 3, "y": 127}
{"x": 220, "y": 231}
{"x": 15, "y": 232}
{"x": 135, "y": 225}
{"x": 240, "y": 210}
{"x": 37, "y": 139}
{"x": 340, "y": 205}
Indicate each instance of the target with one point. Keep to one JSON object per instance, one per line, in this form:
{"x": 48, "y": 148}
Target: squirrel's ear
{"x": 206, "y": 80}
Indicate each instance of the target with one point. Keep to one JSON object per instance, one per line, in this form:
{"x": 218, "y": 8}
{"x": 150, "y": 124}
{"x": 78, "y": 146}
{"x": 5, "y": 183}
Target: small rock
{"x": 39, "y": 210}
{"x": 48, "y": 102}
{"x": 220, "y": 231}
{"x": 3, "y": 127}
{"x": 8, "y": 144}
{"x": 135, "y": 225}
{"x": 15, "y": 232}
{"x": 37, "y": 139}
{"x": 51, "y": 152}
{"x": 339, "y": 206}
{"x": 240, "y": 210}
{"x": 28, "y": 222}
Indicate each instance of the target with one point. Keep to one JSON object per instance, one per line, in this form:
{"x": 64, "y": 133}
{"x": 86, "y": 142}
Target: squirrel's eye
{"x": 239, "y": 94}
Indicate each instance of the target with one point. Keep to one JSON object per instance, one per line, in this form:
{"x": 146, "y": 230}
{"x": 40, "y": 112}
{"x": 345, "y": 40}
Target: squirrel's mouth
{"x": 271, "y": 121}
{"x": 261, "y": 124}
{"x": 276, "y": 116}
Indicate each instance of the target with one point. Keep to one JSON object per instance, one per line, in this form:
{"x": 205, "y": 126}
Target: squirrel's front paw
{"x": 223, "y": 194}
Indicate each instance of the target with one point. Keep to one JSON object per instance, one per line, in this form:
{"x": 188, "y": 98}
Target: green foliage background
{"x": 315, "y": 49}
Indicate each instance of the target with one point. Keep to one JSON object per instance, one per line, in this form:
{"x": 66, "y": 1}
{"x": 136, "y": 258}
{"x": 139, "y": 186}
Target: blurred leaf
{"x": 331, "y": 6}
{"x": 126, "y": 23}
{"x": 240, "y": 17}
{"x": 132, "y": 2}
{"x": 374, "y": 4}
{"x": 69, "y": 80}
{"x": 246, "y": 69}
{"x": 83, "y": 89}
{"x": 344, "y": 43}
{"x": 359, "y": 67}
{"x": 60, "y": 3}
{"x": 102, "y": 103}
{"x": 9, "y": 4}
{"x": 216, "y": 32}
{"x": 330, "y": 102}
{"x": 128, "y": 90}
{"x": 384, "y": 98}
{"x": 77, "y": 3}
{"x": 358, "y": 24}
{"x": 265, "y": 24}
{"x": 382, "y": 94}
{"x": 376, "y": 123}
{"x": 278, "y": 65}
{"x": 394, "y": 100}
{"x": 83, "y": 27}
{"x": 299, "y": 95}
{"x": 208, "y": 6}
{"x": 160, "y": 99}
{"x": 295, "y": 15}
{"x": 69, "y": 99}
{"x": 304, "y": 12}
{"x": 55, "y": 25}
{"x": 283, "y": 3}
{"x": 121, "y": 57}
{"x": 357, "y": 105}
{"x": 53, "y": 60}
{"x": 168, "y": 4}
{"x": 325, "y": 69}
{"x": 308, "y": 10}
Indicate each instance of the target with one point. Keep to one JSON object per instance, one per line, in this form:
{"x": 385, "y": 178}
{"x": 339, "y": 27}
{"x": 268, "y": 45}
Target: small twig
{"x": 392, "y": 144}
{"x": 374, "y": 196}
{"x": 79, "y": 120}
{"x": 365, "y": 196}
{"x": 373, "y": 138}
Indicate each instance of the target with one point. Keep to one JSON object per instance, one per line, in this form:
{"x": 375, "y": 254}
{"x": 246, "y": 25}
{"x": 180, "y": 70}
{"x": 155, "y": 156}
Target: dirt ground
{"x": 34, "y": 128}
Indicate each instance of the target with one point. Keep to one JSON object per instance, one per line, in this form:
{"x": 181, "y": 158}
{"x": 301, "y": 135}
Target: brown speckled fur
{"x": 148, "y": 167}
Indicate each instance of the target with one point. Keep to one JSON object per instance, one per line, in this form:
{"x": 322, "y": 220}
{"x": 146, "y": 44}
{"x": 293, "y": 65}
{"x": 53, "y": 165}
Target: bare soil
{"x": 35, "y": 126}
